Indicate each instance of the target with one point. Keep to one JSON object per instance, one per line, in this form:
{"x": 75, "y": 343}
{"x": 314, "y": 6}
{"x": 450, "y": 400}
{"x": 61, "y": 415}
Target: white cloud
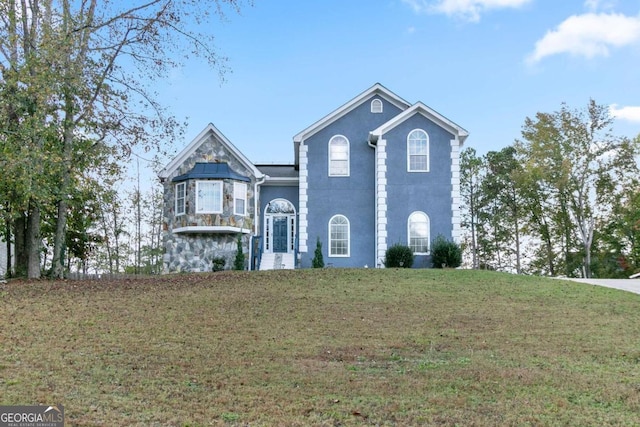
{"x": 466, "y": 9}
{"x": 588, "y": 35}
{"x": 631, "y": 114}
{"x": 595, "y": 5}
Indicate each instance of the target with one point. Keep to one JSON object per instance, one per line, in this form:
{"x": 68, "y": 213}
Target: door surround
{"x": 277, "y": 209}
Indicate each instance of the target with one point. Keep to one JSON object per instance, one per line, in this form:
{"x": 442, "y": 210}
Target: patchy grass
{"x": 324, "y": 347}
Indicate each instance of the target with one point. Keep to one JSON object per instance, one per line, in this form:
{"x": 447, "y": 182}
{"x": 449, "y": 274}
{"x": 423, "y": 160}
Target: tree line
{"x": 76, "y": 98}
{"x": 563, "y": 200}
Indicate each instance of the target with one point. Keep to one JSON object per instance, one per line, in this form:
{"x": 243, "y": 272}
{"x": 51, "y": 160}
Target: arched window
{"x": 339, "y": 156}
{"x": 376, "y": 106}
{"x": 339, "y": 236}
{"x": 418, "y": 151}
{"x": 418, "y": 231}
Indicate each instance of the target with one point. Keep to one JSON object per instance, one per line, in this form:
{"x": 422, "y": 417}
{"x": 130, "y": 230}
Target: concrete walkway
{"x": 631, "y": 285}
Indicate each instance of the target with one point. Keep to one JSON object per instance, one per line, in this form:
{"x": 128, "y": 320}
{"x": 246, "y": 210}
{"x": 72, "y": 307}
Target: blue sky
{"x": 485, "y": 64}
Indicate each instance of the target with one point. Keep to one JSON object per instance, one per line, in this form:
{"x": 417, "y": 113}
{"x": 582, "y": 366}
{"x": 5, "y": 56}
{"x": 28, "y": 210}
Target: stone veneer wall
{"x": 191, "y": 252}
{"x": 195, "y": 252}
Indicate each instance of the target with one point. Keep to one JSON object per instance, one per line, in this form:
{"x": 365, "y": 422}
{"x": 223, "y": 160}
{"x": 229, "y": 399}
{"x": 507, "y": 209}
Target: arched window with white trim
{"x": 339, "y": 156}
{"x": 418, "y": 232}
{"x": 339, "y": 236}
{"x": 418, "y": 151}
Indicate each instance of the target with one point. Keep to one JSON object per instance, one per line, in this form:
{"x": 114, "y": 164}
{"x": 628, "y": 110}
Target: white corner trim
{"x": 455, "y": 191}
{"x": 303, "y": 198}
{"x": 381, "y": 200}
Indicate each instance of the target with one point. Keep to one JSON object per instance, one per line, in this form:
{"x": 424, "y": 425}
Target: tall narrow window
{"x": 209, "y": 197}
{"x": 376, "y": 106}
{"x": 418, "y": 151}
{"x": 180, "y": 198}
{"x": 339, "y": 236}
{"x": 339, "y": 156}
{"x": 239, "y": 198}
{"x": 418, "y": 226}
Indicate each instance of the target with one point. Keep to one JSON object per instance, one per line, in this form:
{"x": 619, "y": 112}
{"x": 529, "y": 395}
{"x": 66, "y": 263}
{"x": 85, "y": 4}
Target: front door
{"x": 280, "y": 234}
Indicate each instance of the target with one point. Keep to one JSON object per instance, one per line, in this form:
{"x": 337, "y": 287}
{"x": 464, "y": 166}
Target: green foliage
{"x": 398, "y": 255}
{"x": 238, "y": 263}
{"x": 445, "y": 253}
{"x": 318, "y": 261}
{"x": 218, "y": 264}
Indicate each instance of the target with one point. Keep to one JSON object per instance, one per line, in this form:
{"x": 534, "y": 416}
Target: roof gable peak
{"x": 376, "y": 89}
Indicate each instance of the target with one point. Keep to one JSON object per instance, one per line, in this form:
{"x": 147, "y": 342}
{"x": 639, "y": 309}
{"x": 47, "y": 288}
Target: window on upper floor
{"x": 376, "y": 106}
{"x": 418, "y": 151}
{"x": 180, "y": 189}
{"x": 239, "y": 198}
{"x": 418, "y": 231}
{"x": 209, "y": 197}
{"x": 339, "y": 236}
{"x": 339, "y": 156}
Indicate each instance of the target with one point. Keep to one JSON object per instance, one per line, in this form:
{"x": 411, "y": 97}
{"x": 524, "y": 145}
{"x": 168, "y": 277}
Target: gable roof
{"x": 420, "y": 108}
{"x": 197, "y": 142}
{"x": 376, "y": 89}
{"x": 211, "y": 170}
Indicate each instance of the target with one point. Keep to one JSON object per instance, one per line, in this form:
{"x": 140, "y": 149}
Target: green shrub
{"x": 398, "y": 255}
{"x": 238, "y": 263}
{"x": 318, "y": 261}
{"x": 445, "y": 253}
{"x": 218, "y": 264}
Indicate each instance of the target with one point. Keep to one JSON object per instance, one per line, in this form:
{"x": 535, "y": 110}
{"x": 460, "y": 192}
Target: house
{"x": 375, "y": 172}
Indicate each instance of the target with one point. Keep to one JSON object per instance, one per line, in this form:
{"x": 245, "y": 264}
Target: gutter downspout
{"x": 255, "y": 215}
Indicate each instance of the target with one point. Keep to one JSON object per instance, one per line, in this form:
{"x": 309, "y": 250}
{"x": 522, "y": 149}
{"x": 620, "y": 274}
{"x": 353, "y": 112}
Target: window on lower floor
{"x": 418, "y": 230}
{"x": 180, "y": 198}
{"x": 209, "y": 197}
{"x": 339, "y": 236}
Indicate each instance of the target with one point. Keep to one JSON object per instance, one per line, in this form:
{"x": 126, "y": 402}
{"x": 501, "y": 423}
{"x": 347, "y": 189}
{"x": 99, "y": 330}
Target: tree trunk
{"x": 22, "y": 259}
{"x": 57, "y": 263}
{"x": 33, "y": 243}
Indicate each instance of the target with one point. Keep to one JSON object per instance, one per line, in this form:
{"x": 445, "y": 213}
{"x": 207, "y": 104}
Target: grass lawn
{"x": 330, "y": 347}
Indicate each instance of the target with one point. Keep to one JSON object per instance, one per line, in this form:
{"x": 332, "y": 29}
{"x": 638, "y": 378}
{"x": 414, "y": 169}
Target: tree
{"x": 470, "y": 180}
{"x": 238, "y": 263}
{"x": 77, "y": 71}
{"x": 318, "y": 261}
{"x": 500, "y": 189}
{"x": 575, "y": 159}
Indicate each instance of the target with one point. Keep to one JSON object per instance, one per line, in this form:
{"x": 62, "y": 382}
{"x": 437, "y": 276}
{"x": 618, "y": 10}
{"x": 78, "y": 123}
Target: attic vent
{"x": 376, "y": 106}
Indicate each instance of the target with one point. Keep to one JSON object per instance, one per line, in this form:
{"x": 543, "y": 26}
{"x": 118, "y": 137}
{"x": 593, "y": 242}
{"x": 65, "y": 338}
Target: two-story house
{"x": 375, "y": 172}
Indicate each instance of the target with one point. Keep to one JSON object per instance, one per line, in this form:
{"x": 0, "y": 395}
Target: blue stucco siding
{"x": 352, "y": 196}
{"x": 428, "y": 192}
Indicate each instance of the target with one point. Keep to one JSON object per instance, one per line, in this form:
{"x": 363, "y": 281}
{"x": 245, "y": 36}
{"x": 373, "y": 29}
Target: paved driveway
{"x": 631, "y": 285}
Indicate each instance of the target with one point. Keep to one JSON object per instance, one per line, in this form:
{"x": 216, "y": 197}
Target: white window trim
{"x": 221, "y": 184}
{"x": 378, "y": 108}
{"x": 428, "y": 232}
{"x": 348, "y": 157}
{"x": 409, "y": 152}
{"x": 239, "y": 193}
{"x": 184, "y": 199}
{"x": 348, "y": 254}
